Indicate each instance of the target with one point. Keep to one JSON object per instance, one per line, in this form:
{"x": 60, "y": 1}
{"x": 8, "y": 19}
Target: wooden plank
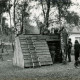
{"x": 27, "y": 61}
{"x": 27, "y": 50}
{"x": 38, "y": 52}
{"x": 22, "y": 39}
{"x": 41, "y": 54}
{"x": 42, "y": 42}
{"x": 41, "y": 60}
{"x": 46, "y": 59}
{"x": 42, "y": 51}
{"x": 31, "y": 51}
{"x": 26, "y": 58}
{"x": 24, "y": 48}
{"x": 46, "y": 63}
{"x": 31, "y": 65}
{"x": 28, "y": 65}
{"x": 23, "y": 43}
{"x": 44, "y": 56}
{"x": 34, "y": 38}
{"x": 40, "y": 36}
{"x": 41, "y": 45}
{"x": 26, "y": 54}
{"x": 42, "y": 48}
{"x": 32, "y": 48}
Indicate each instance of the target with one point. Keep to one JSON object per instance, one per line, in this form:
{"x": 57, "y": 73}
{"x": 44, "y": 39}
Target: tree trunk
{"x": 62, "y": 43}
{"x": 42, "y": 8}
{"x": 14, "y": 14}
{"x": 47, "y": 14}
{"x": 22, "y": 23}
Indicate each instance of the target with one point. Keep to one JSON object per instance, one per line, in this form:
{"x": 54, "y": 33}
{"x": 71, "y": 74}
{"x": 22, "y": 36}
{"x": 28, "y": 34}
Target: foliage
{"x": 72, "y": 18}
{"x": 62, "y": 6}
{"x": 47, "y": 6}
{"x": 20, "y": 14}
{"x": 4, "y": 6}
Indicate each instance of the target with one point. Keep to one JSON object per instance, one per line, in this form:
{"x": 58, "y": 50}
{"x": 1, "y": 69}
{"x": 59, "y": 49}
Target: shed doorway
{"x": 54, "y": 48}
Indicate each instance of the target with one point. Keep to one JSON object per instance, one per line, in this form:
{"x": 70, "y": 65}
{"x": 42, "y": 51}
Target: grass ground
{"x": 57, "y": 71}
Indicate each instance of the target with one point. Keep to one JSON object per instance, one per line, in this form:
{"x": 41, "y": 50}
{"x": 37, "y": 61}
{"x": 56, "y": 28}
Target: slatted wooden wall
{"x": 35, "y": 50}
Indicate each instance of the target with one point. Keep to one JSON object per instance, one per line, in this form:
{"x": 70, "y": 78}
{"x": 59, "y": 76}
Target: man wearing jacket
{"x": 69, "y": 46}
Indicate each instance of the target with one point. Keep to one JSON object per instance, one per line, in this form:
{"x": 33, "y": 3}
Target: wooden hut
{"x": 35, "y": 50}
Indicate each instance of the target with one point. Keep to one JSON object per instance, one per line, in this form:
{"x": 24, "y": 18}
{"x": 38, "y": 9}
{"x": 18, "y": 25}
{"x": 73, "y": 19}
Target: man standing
{"x": 69, "y": 46}
{"x": 76, "y": 52}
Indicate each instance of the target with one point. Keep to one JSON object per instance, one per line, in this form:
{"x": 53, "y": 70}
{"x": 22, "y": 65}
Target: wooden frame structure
{"x": 33, "y": 50}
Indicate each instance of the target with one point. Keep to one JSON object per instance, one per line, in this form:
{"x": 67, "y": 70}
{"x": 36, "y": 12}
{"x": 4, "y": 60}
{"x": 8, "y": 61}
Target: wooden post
{"x": 64, "y": 37}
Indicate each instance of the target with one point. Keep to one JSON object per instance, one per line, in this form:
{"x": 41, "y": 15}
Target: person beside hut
{"x": 2, "y": 47}
{"x": 2, "y": 51}
{"x": 76, "y": 52}
{"x": 69, "y": 46}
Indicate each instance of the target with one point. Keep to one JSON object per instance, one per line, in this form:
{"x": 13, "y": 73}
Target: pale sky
{"x": 76, "y": 6}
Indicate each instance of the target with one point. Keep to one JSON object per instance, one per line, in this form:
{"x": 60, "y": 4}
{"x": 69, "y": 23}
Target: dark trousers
{"x": 76, "y": 58}
{"x": 69, "y": 55}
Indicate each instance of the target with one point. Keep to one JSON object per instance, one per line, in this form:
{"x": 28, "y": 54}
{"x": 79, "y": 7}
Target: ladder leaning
{"x": 30, "y": 53}
{"x": 36, "y": 52}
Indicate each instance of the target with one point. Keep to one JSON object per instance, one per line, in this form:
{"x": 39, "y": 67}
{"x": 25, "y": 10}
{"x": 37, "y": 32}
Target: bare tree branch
{"x": 41, "y": 1}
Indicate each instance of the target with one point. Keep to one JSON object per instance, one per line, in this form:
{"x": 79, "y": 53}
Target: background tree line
{"x": 52, "y": 11}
